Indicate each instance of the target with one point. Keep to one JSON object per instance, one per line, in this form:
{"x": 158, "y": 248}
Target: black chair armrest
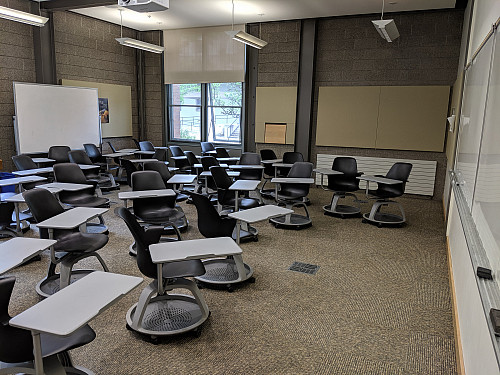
{"x": 153, "y": 233}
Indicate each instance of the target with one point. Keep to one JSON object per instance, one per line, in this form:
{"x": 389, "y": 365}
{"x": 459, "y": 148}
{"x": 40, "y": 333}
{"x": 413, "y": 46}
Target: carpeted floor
{"x": 379, "y": 304}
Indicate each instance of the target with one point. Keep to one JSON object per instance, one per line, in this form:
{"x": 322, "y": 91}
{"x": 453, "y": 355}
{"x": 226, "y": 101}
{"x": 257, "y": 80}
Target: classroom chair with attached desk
{"x": 146, "y": 146}
{"x": 152, "y": 314}
{"x": 23, "y": 162}
{"x": 104, "y": 181}
{"x": 59, "y": 154}
{"x": 250, "y": 158}
{"x": 165, "y": 174}
{"x": 384, "y": 193}
{"x": 71, "y": 173}
{"x": 343, "y": 185}
{"x": 16, "y": 344}
{"x": 71, "y": 247}
{"x": 208, "y": 149}
{"x": 291, "y": 194}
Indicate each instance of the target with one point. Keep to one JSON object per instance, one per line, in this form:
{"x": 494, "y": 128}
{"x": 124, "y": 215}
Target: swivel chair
{"x": 6, "y": 210}
{"x": 384, "y": 193}
{"x": 292, "y": 194}
{"x": 221, "y": 152}
{"x": 136, "y": 142}
{"x": 129, "y": 168}
{"x": 226, "y": 201}
{"x": 289, "y": 158}
{"x": 146, "y": 146}
{"x": 268, "y": 172}
{"x": 192, "y": 160}
{"x": 160, "y": 154}
{"x": 250, "y": 158}
{"x": 71, "y": 247}
{"x": 342, "y": 186}
{"x": 158, "y": 313}
{"x": 180, "y": 161}
{"x": 113, "y": 149}
{"x": 95, "y": 154}
{"x": 211, "y": 225}
{"x": 71, "y": 173}
{"x": 105, "y": 182}
{"x": 59, "y": 154}
{"x": 207, "y": 162}
{"x": 207, "y": 149}
{"x": 23, "y": 162}
{"x": 165, "y": 174}
{"x": 16, "y": 344}
{"x": 157, "y": 210}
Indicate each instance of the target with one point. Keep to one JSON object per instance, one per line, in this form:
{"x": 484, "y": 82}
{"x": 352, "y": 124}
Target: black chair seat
{"x": 385, "y": 194}
{"x": 53, "y": 344}
{"x": 160, "y": 216}
{"x": 86, "y": 201}
{"x": 243, "y": 203}
{"x": 187, "y": 268}
{"x": 80, "y": 242}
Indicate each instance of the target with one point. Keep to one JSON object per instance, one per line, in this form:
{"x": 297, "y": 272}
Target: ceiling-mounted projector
{"x": 387, "y": 29}
{"x": 145, "y": 5}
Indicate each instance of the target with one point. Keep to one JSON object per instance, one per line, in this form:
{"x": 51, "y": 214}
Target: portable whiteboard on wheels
{"x": 49, "y": 115}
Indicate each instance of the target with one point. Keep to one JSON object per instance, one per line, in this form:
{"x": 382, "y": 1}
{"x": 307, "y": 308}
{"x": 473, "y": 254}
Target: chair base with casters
{"x": 292, "y": 221}
{"x": 342, "y": 210}
{"x": 384, "y": 218}
{"x": 168, "y": 314}
{"x": 54, "y": 282}
{"x": 226, "y": 272}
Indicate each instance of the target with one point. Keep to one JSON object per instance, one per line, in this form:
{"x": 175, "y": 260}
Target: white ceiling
{"x": 197, "y": 13}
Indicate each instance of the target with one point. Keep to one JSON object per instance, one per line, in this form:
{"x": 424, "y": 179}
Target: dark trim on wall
{"x": 305, "y": 88}
{"x": 163, "y": 96}
{"x": 141, "y": 89}
{"x": 44, "y": 50}
{"x": 252, "y": 57}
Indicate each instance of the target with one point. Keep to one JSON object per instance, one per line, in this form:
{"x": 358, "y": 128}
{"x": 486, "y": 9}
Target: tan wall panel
{"x": 412, "y": 117}
{"x": 275, "y": 105}
{"x": 120, "y": 106}
{"x": 347, "y": 116}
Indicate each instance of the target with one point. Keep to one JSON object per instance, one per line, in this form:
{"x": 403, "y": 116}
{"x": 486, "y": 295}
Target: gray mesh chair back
{"x": 146, "y": 146}
{"x": 59, "y": 154}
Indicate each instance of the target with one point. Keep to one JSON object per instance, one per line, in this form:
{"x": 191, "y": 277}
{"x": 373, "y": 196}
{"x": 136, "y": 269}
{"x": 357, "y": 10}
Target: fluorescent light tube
{"x": 387, "y": 29}
{"x": 246, "y": 38}
{"x": 18, "y": 16}
{"x": 134, "y": 43}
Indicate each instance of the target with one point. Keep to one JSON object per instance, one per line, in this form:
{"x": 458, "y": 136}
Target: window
{"x": 206, "y": 111}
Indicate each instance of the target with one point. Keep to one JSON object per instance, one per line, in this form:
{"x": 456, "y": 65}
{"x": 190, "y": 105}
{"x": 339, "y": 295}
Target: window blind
{"x": 202, "y": 55}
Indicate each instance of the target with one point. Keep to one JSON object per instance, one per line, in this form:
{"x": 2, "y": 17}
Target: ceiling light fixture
{"x": 134, "y": 43}
{"x": 244, "y": 37}
{"x": 386, "y": 28}
{"x": 18, "y": 16}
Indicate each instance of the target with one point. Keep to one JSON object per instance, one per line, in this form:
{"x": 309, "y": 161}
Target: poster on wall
{"x": 104, "y": 110}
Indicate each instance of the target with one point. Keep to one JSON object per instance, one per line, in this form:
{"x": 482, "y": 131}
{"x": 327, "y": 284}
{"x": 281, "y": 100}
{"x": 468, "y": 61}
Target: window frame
{"x": 204, "y": 108}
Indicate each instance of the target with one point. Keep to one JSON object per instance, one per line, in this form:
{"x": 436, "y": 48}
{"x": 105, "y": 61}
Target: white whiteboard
{"x": 49, "y": 115}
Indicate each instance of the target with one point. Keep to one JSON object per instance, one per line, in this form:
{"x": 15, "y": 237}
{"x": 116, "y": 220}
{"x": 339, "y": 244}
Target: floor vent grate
{"x": 310, "y": 269}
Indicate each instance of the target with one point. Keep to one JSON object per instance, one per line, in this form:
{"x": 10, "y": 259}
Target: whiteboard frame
{"x": 16, "y": 116}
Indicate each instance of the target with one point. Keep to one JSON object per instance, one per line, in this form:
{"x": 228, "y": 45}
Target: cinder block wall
{"x": 351, "y": 53}
{"x": 86, "y": 50}
{"x": 17, "y": 63}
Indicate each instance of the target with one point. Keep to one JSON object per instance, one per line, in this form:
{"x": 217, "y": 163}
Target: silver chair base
{"x": 381, "y": 218}
{"x": 226, "y": 271}
{"x": 342, "y": 210}
{"x": 51, "y": 285}
{"x": 167, "y": 314}
{"x": 291, "y": 221}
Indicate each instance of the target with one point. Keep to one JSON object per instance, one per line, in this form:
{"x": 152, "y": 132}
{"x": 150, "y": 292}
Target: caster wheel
{"x": 128, "y": 327}
{"x": 251, "y": 280}
{"x": 255, "y": 239}
{"x": 132, "y": 254}
{"x": 379, "y": 225}
{"x": 230, "y": 288}
{"x": 154, "y": 340}
{"x": 342, "y": 216}
{"x": 199, "y": 285}
{"x": 197, "y": 332}
{"x": 364, "y": 221}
